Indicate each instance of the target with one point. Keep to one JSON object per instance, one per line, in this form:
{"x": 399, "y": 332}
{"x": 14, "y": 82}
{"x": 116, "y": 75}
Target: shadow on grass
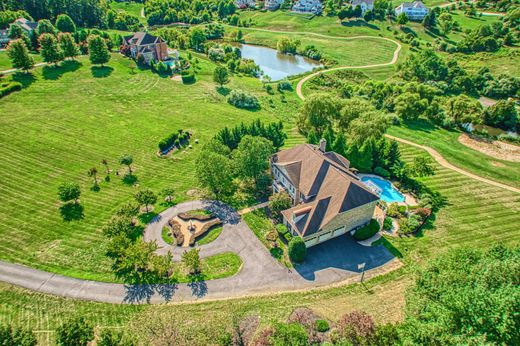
{"x": 129, "y": 179}
{"x": 72, "y": 212}
{"x": 53, "y": 72}
{"x": 408, "y": 31}
{"x": 389, "y": 246}
{"x": 223, "y": 91}
{"x": 101, "y": 71}
{"x": 25, "y": 79}
{"x": 146, "y": 218}
{"x": 359, "y": 23}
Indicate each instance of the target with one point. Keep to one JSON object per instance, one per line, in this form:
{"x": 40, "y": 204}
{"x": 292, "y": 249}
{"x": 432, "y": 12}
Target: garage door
{"x": 339, "y": 231}
{"x": 311, "y": 242}
{"x": 325, "y": 236}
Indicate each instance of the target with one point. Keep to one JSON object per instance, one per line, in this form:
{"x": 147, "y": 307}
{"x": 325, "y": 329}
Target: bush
{"x": 281, "y": 229}
{"x": 284, "y": 85}
{"x": 167, "y": 142}
{"x": 241, "y": 99}
{"x": 16, "y": 336}
{"x": 322, "y": 326}
{"x": 271, "y": 236}
{"x": 75, "y": 332}
{"x": 367, "y": 231}
{"x": 297, "y": 250}
{"x": 288, "y": 236}
{"x": 393, "y": 210}
{"x": 382, "y": 172}
{"x": 6, "y": 89}
{"x": 409, "y": 225}
{"x": 188, "y": 76}
{"x": 402, "y": 209}
{"x": 387, "y": 224}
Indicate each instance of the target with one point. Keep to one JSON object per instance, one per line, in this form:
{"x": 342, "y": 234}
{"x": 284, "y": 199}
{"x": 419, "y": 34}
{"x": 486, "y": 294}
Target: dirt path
{"x": 442, "y": 161}
{"x": 495, "y": 149}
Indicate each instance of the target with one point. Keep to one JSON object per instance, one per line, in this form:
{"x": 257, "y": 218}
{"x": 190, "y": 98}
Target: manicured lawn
{"x": 445, "y": 142}
{"x": 352, "y": 52}
{"x": 68, "y": 119}
{"x": 132, "y": 8}
{"x": 475, "y": 214}
{"x": 167, "y": 236}
{"x": 210, "y": 236}
{"x": 260, "y": 224}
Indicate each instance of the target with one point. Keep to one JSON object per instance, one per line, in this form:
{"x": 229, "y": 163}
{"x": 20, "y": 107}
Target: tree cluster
{"x": 231, "y": 137}
{"x": 160, "y": 12}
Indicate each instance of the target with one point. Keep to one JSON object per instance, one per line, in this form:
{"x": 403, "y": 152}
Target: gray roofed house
{"x": 366, "y": 5}
{"x": 148, "y": 46}
{"x": 328, "y": 198}
{"x": 414, "y": 10}
{"x": 27, "y": 25}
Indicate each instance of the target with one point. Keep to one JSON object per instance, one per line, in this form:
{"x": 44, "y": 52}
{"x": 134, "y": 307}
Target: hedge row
{"x": 175, "y": 138}
{"x": 188, "y": 76}
{"x": 367, "y": 231}
{"x": 7, "y": 88}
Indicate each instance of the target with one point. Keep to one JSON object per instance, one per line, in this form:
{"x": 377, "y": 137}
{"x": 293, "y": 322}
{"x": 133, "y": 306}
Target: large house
{"x": 365, "y": 5}
{"x": 245, "y": 3}
{"x": 414, "y": 10}
{"x": 328, "y": 198}
{"x": 308, "y": 6}
{"x": 148, "y": 46}
{"x": 26, "y": 25}
{"x": 272, "y": 5}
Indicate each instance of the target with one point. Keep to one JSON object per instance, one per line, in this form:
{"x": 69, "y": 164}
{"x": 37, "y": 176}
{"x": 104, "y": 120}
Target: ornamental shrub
{"x": 284, "y": 85}
{"x": 188, "y": 76}
{"x": 6, "y": 89}
{"x": 244, "y": 100}
{"x": 367, "y": 231}
{"x": 297, "y": 250}
{"x": 322, "y": 326}
{"x": 382, "y": 172}
{"x": 167, "y": 142}
{"x": 387, "y": 224}
{"x": 393, "y": 210}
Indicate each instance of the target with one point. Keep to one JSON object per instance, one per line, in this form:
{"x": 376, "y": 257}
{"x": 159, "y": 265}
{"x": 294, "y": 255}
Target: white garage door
{"x": 339, "y": 231}
{"x": 325, "y": 236}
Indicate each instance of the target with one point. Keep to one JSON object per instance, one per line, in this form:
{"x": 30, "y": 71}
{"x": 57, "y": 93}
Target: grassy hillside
{"x": 70, "y": 118}
{"x": 446, "y": 143}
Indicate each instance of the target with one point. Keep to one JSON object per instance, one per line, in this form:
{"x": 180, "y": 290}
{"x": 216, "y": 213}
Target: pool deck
{"x": 409, "y": 200}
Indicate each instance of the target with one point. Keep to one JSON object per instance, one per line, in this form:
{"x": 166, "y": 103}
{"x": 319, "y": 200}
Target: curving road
{"x": 333, "y": 262}
{"x": 395, "y": 56}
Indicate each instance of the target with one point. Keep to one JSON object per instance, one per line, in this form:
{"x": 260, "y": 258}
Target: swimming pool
{"x": 388, "y": 192}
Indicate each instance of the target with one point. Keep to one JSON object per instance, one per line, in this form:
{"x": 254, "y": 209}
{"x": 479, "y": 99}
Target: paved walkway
{"x": 442, "y": 161}
{"x": 333, "y": 262}
{"x": 15, "y": 69}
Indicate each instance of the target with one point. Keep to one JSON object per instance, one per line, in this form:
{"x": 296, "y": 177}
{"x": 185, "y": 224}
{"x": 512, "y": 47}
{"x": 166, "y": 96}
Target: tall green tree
{"x": 221, "y": 75}
{"x": 65, "y": 24}
{"x": 45, "y": 27}
{"x": 251, "y": 158}
{"x": 98, "y": 50}
{"x": 19, "y": 55}
{"x": 49, "y": 49}
{"x": 445, "y": 23}
{"x": 69, "y": 192}
{"x": 146, "y": 197}
{"x": 466, "y": 297}
{"x": 68, "y": 45}
{"x": 402, "y": 19}
{"x": 191, "y": 260}
{"x": 214, "y": 172}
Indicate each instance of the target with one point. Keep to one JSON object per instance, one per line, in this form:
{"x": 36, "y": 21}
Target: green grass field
{"x": 5, "y": 63}
{"x": 446, "y": 143}
{"x": 132, "y": 8}
{"x": 68, "y": 119}
{"x": 354, "y": 52}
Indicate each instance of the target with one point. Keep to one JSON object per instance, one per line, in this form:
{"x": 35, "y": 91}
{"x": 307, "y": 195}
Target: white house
{"x": 366, "y": 5}
{"x": 245, "y": 3}
{"x": 4, "y": 37}
{"x": 272, "y": 5}
{"x": 308, "y": 6}
{"x": 414, "y": 10}
{"x": 328, "y": 199}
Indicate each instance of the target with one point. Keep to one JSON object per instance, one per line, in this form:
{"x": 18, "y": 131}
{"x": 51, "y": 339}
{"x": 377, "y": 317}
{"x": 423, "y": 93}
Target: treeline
{"x": 85, "y": 13}
{"x": 160, "y": 12}
{"x": 272, "y": 131}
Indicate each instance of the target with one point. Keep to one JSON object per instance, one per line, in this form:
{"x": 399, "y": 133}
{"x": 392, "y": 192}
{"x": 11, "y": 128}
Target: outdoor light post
{"x": 361, "y": 267}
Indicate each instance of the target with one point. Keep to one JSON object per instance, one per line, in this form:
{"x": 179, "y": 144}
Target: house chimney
{"x": 323, "y": 145}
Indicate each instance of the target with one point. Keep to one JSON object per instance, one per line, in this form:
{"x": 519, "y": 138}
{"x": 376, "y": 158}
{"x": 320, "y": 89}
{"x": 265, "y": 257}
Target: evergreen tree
{"x": 19, "y": 55}
{"x": 340, "y": 144}
{"x": 68, "y": 45}
{"x": 402, "y": 19}
{"x": 65, "y": 24}
{"x": 98, "y": 50}
{"x": 45, "y": 27}
{"x": 221, "y": 75}
{"x": 49, "y": 49}
{"x": 430, "y": 21}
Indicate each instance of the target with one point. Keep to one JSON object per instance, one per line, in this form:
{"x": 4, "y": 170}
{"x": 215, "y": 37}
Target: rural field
{"x": 89, "y": 114}
{"x": 70, "y": 117}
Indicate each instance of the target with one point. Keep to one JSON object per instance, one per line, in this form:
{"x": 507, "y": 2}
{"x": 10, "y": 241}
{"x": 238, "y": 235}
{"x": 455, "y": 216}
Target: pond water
{"x": 275, "y": 65}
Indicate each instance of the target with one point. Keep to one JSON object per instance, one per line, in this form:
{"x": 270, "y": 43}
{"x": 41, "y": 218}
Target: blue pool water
{"x": 389, "y": 194}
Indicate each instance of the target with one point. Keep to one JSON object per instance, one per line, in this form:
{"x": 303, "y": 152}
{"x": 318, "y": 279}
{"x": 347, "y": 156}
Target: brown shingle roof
{"x": 327, "y": 182}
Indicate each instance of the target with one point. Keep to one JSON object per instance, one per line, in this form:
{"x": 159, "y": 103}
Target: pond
{"x": 275, "y": 65}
